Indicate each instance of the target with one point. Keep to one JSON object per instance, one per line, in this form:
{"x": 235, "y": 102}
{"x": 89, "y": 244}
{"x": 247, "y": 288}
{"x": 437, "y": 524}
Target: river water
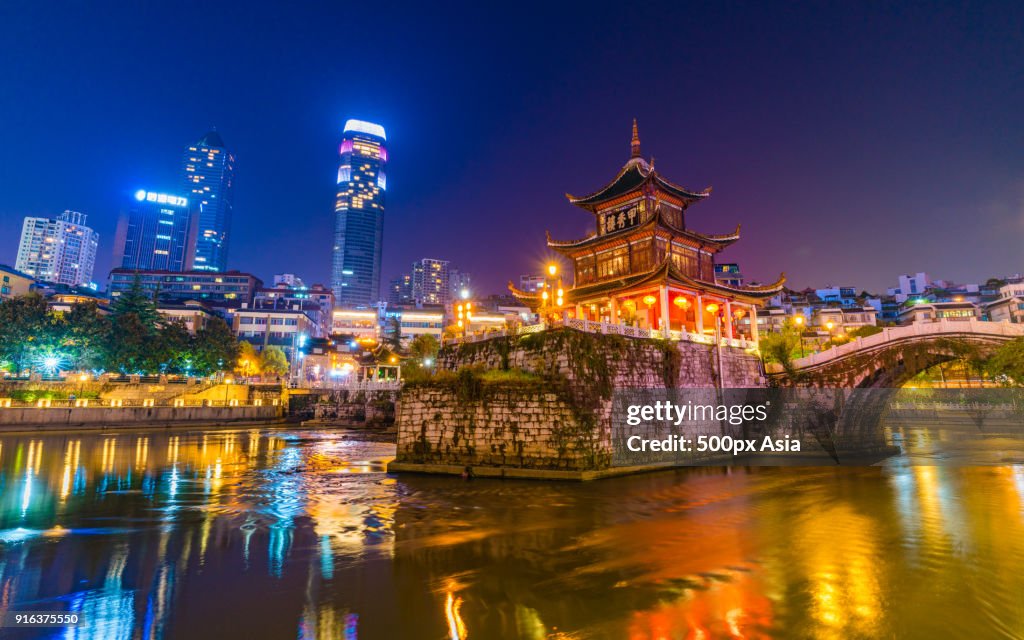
{"x": 271, "y": 533}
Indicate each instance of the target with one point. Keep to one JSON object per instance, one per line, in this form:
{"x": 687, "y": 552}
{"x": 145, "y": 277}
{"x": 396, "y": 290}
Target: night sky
{"x": 852, "y": 143}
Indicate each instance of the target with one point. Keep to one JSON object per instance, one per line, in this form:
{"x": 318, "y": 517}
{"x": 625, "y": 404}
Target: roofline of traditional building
{"x": 720, "y": 240}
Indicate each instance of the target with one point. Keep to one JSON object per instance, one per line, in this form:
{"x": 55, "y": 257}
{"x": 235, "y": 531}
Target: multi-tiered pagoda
{"x": 644, "y": 267}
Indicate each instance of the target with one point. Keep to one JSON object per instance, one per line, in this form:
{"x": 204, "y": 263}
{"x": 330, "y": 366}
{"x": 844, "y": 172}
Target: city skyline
{"x": 838, "y": 175}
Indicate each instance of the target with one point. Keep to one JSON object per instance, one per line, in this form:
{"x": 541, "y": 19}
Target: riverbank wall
{"x": 55, "y": 419}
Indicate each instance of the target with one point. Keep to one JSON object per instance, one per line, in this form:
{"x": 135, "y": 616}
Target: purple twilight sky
{"x": 853, "y": 142}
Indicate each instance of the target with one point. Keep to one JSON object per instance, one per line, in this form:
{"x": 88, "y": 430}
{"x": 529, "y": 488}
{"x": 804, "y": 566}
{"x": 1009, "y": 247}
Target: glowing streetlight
{"x": 552, "y": 269}
{"x": 799, "y": 321}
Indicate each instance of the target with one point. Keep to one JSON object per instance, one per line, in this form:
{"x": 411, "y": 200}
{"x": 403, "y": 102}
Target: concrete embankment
{"x": 55, "y": 419}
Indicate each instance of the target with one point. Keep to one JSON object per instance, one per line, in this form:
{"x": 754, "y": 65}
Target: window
{"x": 585, "y": 270}
{"x": 613, "y": 263}
{"x": 642, "y": 256}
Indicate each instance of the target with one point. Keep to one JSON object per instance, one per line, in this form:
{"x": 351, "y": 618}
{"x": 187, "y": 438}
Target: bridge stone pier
{"x": 894, "y": 356}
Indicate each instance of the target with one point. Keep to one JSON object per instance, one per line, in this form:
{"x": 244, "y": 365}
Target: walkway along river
{"x": 273, "y": 533}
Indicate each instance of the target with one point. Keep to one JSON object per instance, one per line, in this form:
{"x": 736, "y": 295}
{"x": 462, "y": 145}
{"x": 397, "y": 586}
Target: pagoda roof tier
{"x": 664, "y": 273}
{"x": 635, "y": 176}
{"x": 656, "y": 224}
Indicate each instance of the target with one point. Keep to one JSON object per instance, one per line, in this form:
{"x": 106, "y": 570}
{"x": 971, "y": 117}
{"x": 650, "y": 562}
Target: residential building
{"x": 846, "y": 296}
{"x": 430, "y": 282}
{"x": 209, "y": 180}
{"x": 361, "y": 324}
{"x": 1009, "y": 306}
{"x": 157, "y": 233}
{"x": 288, "y": 279}
{"x": 844, "y": 318}
{"x": 531, "y": 282}
{"x": 460, "y": 284}
{"x": 400, "y": 290}
{"x": 412, "y": 322}
{"x": 61, "y": 298}
{"x": 231, "y": 287}
{"x": 14, "y": 283}
{"x": 913, "y": 312}
{"x": 359, "y": 214}
{"x": 60, "y": 250}
{"x": 194, "y": 314}
{"x": 317, "y": 302}
{"x": 910, "y": 286}
{"x": 288, "y": 329}
{"x": 729, "y": 273}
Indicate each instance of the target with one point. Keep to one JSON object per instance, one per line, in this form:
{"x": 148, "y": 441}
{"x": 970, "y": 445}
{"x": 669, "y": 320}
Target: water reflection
{"x": 273, "y": 533}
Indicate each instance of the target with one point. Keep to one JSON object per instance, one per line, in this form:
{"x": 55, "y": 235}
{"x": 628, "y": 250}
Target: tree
{"x": 1008, "y": 362}
{"x": 424, "y": 346}
{"x": 133, "y": 340}
{"x": 865, "y": 331}
{"x": 172, "y": 352}
{"x": 393, "y": 337}
{"x": 135, "y": 301}
{"x": 84, "y": 331}
{"x": 249, "y": 362}
{"x": 27, "y": 331}
{"x": 215, "y": 348}
{"x": 274, "y": 361}
{"x": 129, "y": 345}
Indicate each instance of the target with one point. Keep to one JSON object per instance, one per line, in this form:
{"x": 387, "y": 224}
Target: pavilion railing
{"x": 608, "y": 328}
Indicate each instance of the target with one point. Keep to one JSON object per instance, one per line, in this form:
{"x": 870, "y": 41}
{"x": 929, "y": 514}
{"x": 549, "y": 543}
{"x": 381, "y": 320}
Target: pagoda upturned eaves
{"x": 643, "y": 265}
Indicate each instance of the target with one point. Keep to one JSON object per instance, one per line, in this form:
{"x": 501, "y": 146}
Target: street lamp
{"x": 464, "y": 313}
{"x": 829, "y": 325}
{"x": 552, "y": 295}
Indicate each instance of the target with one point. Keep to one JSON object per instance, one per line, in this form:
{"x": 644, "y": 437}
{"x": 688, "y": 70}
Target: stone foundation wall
{"x": 568, "y": 428}
{"x": 529, "y": 429}
{"x": 366, "y": 408}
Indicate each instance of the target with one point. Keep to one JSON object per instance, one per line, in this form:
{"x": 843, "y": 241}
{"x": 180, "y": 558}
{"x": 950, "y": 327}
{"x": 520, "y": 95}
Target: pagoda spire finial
{"x": 634, "y": 145}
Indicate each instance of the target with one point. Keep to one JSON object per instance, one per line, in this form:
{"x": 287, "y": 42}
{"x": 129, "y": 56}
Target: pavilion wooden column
{"x": 613, "y": 310}
{"x": 579, "y": 311}
{"x": 665, "y": 326}
{"x": 728, "y": 320}
{"x": 698, "y": 316}
{"x": 753, "y": 322}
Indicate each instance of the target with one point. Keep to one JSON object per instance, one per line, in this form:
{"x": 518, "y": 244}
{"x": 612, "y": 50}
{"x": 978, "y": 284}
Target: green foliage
{"x": 1007, "y": 363}
{"x": 865, "y": 331}
{"x": 214, "y": 348}
{"x": 27, "y": 330}
{"x": 780, "y": 347}
{"x": 424, "y": 346}
{"x": 274, "y": 361}
{"x": 133, "y": 339}
{"x": 393, "y": 336}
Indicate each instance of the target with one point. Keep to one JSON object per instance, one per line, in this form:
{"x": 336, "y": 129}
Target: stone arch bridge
{"x": 894, "y": 356}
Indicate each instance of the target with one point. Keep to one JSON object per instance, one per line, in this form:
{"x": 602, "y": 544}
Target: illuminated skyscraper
{"x": 359, "y": 214}
{"x": 61, "y": 249}
{"x": 209, "y": 184}
{"x": 158, "y": 232}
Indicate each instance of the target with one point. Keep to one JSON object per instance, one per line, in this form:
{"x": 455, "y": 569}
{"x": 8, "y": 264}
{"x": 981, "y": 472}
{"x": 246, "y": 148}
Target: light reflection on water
{"x": 301, "y": 534}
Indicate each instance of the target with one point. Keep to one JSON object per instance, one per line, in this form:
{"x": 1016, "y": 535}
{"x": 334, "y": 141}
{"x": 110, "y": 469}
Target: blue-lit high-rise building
{"x": 359, "y": 214}
{"x": 158, "y": 232}
{"x": 209, "y": 170}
